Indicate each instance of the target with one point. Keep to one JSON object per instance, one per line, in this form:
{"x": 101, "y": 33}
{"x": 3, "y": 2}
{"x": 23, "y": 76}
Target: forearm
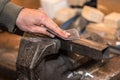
{"x": 8, "y": 14}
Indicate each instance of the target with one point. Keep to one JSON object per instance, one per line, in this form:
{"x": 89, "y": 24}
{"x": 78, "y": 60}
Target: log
{"x": 105, "y": 32}
{"x": 64, "y": 14}
{"x": 92, "y": 14}
{"x": 112, "y": 20}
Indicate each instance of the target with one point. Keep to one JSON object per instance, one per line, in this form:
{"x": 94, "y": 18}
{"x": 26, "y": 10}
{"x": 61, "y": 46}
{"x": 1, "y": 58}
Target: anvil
{"x": 33, "y": 49}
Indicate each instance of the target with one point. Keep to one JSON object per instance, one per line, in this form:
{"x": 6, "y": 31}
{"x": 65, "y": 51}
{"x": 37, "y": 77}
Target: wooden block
{"x": 27, "y": 3}
{"x": 92, "y": 14}
{"x": 108, "y": 6}
{"x": 77, "y": 2}
{"x": 65, "y": 14}
{"x": 112, "y": 20}
{"x": 102, "y": 30}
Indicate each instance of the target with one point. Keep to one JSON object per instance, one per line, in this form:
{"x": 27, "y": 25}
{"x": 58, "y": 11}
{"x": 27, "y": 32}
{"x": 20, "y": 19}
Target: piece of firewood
{"x": 104, "y": 31}
{"x": 112, "y": 20}
{"x": 65, "y": 14}
{"x": 92, "y": 14}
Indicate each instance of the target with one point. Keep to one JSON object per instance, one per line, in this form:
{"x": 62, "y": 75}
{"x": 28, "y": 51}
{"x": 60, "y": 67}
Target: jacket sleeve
{"x": 8, "y": 14}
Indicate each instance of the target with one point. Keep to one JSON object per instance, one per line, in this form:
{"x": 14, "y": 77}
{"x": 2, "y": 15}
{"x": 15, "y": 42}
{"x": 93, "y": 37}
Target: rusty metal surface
{"x": 97, "y": 70}
{"x": 85, "y": 47}
{"x": 32, "y": 50}
{"x": 110, "y": 70}
{"x": 31, "y": 53}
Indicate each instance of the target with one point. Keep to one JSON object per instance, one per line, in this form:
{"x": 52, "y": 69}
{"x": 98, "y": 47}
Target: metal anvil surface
{"x": 31, "y": 52}
{"x": 34, "y": 49}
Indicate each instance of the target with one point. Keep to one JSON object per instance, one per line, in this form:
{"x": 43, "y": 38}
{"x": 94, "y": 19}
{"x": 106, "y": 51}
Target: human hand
{"x": 36, "y": 21}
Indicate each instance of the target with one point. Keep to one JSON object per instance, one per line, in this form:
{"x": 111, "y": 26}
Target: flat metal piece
{"x": 74, "y": 34}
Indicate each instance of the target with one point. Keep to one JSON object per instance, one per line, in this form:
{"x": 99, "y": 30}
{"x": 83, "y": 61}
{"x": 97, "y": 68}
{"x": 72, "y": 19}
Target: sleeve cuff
{"x": 9, "y": 15}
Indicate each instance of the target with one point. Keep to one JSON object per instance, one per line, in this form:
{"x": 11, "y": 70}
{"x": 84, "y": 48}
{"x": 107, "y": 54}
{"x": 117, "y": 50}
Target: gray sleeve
{"x": 8, "y": 14}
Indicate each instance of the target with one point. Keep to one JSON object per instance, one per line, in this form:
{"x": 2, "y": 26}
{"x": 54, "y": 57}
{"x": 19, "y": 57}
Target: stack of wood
{"x": 104, "y": 25}
{"x": 108, "y": 8}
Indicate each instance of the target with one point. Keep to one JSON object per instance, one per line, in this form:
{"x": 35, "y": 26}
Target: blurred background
{"x": 60, "y": 11}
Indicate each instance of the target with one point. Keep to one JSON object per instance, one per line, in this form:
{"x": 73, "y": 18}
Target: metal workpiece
{"x": 85, "y": 47}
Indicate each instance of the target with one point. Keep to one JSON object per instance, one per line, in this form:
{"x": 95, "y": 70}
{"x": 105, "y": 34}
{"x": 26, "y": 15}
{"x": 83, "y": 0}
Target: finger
{"x": 41, "y": 30}
{"x": 51, "y": 31}
{"x": 53, "y": 26}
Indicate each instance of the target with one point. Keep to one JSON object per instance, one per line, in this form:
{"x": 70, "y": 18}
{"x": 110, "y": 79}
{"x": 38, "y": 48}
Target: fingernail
{"x": 52, "y": 36}
{"x": 67, "y": 34}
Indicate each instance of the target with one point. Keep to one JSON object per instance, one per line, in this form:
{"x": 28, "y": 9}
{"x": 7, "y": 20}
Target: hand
{"x": 36, "y": 21}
